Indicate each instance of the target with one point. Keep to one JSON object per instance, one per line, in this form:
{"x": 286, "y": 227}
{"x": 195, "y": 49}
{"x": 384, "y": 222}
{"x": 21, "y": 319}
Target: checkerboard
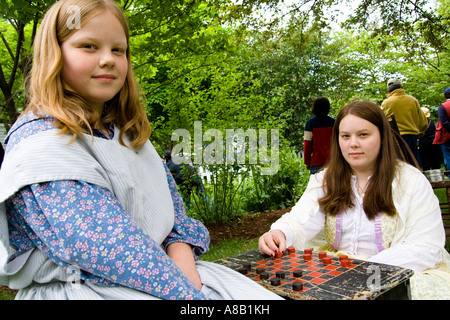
{"x": 319, "y": 279}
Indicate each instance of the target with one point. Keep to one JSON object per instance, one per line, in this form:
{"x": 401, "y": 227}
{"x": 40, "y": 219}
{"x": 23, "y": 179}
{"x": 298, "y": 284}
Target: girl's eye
{"x": 363, "y": 135}
{"x": 89, "y": 46}
{"x": 119, "y": 50}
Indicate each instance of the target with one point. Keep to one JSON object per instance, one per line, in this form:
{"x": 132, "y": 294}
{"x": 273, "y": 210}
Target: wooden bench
{"x": 445, "y": 206}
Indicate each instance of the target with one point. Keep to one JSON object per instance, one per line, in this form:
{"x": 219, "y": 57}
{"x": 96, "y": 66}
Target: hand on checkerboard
{"x": 272, "y": 242}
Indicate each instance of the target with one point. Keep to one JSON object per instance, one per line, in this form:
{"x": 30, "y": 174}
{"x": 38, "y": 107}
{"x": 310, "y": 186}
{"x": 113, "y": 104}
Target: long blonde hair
{"x": 48, "y": 94}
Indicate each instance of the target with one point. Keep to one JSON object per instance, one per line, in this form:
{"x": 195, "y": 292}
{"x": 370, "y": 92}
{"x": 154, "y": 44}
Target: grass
{"x": 6, "y": 293}
{"x": 442, "y": 196}
{"x": 229, "y": 248}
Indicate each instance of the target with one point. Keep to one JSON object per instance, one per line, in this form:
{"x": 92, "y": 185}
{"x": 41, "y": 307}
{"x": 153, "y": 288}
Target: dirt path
{"x": 249, "y": 227}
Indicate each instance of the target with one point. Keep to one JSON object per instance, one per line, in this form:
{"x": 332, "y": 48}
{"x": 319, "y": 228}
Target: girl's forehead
{"x": 101, "y": 14}
{"x": 101, "y": 25}
{"x": 353, "y": 122}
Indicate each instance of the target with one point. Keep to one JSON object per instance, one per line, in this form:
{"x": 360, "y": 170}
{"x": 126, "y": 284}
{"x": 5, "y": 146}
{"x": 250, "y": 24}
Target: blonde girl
{"x": 49, "y": 94}
{"x": 88, "y": 210}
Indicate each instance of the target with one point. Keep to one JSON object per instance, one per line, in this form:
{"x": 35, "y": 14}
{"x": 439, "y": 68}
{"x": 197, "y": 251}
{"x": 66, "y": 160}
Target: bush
{"x": 235, "y": 190}
{"x": 278, "y": 191}
{"x": 220, "y": 201}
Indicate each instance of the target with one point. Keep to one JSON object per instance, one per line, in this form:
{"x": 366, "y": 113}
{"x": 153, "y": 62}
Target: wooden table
{"x": 361, "y": 280}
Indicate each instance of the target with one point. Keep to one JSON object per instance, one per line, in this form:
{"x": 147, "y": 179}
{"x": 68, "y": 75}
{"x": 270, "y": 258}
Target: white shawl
{"x": 135, "y": 177}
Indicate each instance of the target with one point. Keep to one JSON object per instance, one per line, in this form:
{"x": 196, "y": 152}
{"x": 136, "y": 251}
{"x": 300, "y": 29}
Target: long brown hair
{"x": 48, "y": 94}
{"x": 337, "y": 181}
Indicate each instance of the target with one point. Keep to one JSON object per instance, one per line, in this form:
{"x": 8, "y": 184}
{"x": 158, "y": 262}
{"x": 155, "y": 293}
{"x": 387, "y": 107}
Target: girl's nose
{"x": 354, "y": 142}
{"x": 107, "y": 59}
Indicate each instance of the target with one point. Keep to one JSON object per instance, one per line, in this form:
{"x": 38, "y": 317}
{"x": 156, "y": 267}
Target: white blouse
{"x": 358, "y": 233}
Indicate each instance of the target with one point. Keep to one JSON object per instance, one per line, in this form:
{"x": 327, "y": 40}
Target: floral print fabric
{"x": 76, "y": 223}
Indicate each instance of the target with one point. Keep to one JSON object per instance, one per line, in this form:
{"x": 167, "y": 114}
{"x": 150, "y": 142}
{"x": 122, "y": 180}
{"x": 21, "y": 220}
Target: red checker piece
{"x": 307, "y": 256}
{"x": 345, "y": 263}
{"x": 307, "y": 251}
{"x": 291, "y": 249}
{"x": 326, "y": 260}
{"x": 322, "y": 254}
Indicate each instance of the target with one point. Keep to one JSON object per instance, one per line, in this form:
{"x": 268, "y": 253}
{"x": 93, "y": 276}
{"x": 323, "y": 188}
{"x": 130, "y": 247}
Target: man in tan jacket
{"x": 411, "y": 120}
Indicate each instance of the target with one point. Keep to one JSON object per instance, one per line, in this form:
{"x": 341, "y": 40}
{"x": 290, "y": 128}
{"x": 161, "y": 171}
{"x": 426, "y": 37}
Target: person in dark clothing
{"x": 430, "y": 154}
{"x": 317, "y": 137}
{"x": 443, "y": 128}
{"x": 185, "y": 176}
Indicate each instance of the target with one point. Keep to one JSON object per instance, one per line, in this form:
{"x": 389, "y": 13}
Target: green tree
{"x": 18, "y": 25}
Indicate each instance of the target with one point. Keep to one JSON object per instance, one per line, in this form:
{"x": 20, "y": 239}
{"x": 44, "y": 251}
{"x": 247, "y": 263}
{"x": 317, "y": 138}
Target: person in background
{"x": 411, "y": 120}
{"x": 317, "y": 137}
{"x": 371, "y": 205}
{"x": 442, "y": 137}
{"x": 430, "y": 155}
{"x": 186, "y": 177}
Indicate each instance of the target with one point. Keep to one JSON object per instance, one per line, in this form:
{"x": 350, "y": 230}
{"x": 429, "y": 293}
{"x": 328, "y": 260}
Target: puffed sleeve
{"x": 420, "y": 237}
{"x": 185, "y": 229}
{"x": 78, "y": 224}
{"x": 306, "y": 219}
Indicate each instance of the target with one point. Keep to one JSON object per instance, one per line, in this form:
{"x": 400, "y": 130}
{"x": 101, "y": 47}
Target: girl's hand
{"x": 272, "y": 242}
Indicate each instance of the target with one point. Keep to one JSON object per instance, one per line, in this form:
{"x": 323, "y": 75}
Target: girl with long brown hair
{"x": 370, "y": 204}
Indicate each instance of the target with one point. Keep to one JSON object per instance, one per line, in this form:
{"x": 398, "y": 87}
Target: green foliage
{"x": 417, "y": 23}
{"x": 221, "y": 97}
{"x": 221, "y": 201}
{"x": 281, "y": 190}
{"x": 18, "y": 25}
{"x": 238, "y": 189}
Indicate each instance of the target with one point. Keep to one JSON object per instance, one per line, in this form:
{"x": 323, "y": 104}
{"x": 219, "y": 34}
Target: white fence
{"x": 2, "y": 133}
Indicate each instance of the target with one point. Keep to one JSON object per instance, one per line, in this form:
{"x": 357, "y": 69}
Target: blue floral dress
{"x": 74, "y": 222}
